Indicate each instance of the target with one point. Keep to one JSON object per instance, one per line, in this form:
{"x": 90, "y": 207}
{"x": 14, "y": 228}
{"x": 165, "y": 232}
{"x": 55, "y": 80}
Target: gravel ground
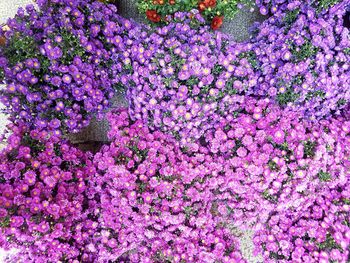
{"x": 238, "y": 29}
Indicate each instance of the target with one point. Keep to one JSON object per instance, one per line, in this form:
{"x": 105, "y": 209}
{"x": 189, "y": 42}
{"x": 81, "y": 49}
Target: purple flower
{"x": 72, "y": 38}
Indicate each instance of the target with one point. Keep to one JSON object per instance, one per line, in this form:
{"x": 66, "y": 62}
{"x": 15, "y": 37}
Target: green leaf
{"x": 286, "y": 97}
{"x": 309, "y": 149}
{"x": 291, "y": 17}
{"x": 5, "y": 222}
{"x": 341, "y": 102}
{"x": 329, "y": 244}
{"x": 273, "y": 165}
{"x": 322, "y": 5}
{"x": 19, "y": 48}
{"x": 315, "y": 94}
{"x": 324, "y": 176}
{"x": 303, "y": 52}
{"x": 269, "y": 197}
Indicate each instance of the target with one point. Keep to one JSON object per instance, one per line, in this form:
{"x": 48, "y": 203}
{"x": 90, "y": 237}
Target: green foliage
{"x": 218, "y": 69}
{"x": 2, "y": 75}
{"x": 141, "y": 186}
{"x": 307, "y": 50}
{"x": 322, "y": 5}
{"x": 315, "y": 94}
{"x": 346, "y": 222}
{"x": 324, "y": 176}
{"x": 19, "y": 48}
{"x": 119, "y": 87}
{"x": 329, "y": 244}
{"x": 160, "y": 257}
{"x": 192, "y": 81}
{"x": 341, "y": 102}
{"x": 291, "y": 17}
{"x": 71, "y": 47}
{"x": 274, "y": 255}
{"x": 273, "y": 166}
{"x": 5, "y": 222}
{"x": 35, "y": 146}
{"x": 309, "y": 149}
{"x": 286, "y": 97}
{"x": 252, "y": 59}
{"x": 121, "y": 159}
{"x": 346, "y": 201}
{"x": 238, "y": 144}
{"x": 189, "y": 212}
{"x": 269, "y": 197}
{"x": 229, "y": 88}
{"x": 142, "y": 154}
{"x": 176, "y": 135}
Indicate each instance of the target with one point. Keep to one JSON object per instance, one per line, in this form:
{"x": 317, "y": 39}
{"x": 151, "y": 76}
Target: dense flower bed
{"x": 158, "y": 204}
{"x": 186, "y": 78}
{"x": 304, "y": 56}
{"x": 62, "y": 63}
{"x": 43, "y": 203}
{"x": 184, "y": 83}
{"x": 219, "y": 137}
{"x": 314, "y": 230}
{"x": 285, "y": 171}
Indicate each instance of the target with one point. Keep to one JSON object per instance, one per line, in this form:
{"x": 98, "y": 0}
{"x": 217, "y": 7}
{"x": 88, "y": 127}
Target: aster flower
{"x": 287, "y": 179}
{"x": 42, "y": 189}
{"x": 302, "y": 47}
{"x": 200, "y": 89}
{"x": 62, "y": 69}
{"x": 157, "y": 203}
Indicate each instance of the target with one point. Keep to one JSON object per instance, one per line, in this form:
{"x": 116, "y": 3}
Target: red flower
{"x": 210, "y": 3}
{"x": 153, "y": 16}
{"x": 201, "y": 6}
{"x": 217, "y": 22}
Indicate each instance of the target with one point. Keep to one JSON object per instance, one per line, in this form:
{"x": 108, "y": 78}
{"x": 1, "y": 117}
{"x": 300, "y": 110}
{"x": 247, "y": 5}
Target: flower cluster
{"x": 289, "y": 179}
{"x": 304, "y": 56}
{"x": 316, "y": 229}
{"x": 43, "y": 182}
{"x": 311, "y": 221}
{"x": 186, "y": 78}
{"x": 217, "y": 137}
{"x": 271, "y": 7}
{"x": 213, "y": 11}
{"x": 157, "y": 204}
{"x": 62, "y": 63}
